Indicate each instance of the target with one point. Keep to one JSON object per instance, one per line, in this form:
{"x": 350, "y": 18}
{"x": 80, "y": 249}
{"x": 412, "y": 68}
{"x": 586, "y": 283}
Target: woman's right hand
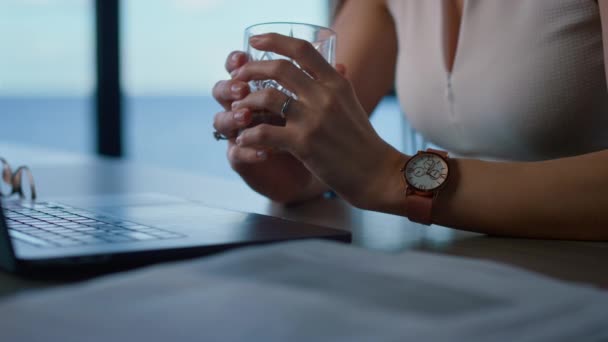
{"x": 275, "y": 174}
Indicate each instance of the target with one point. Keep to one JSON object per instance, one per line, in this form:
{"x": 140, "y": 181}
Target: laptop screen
{"x": 7, "y": 254}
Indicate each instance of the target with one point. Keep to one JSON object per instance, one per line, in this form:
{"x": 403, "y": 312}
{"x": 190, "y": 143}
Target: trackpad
{"x": 221, "y": 225}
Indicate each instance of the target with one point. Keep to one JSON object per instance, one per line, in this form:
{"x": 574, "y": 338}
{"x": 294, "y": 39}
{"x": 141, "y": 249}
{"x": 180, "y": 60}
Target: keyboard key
{"x": 82, "y": 219}
{"x": 87, "y": 221}
{"x": 138, "y": 236}
{"x": 96, "y": 224}
{"x": 75, "y": 235}
{"x": 60, "y": 230}
{"x": 90, "y": 240}
{"x": 27, "y": 229}
{"x": 149, "y": 230}
{"x": 73, "y": 225}
{"x": 61, "y": 240}
{"x": 166, "y": 235}
{"x": 118, "y": 238}
{"x": 69, "y": 243}
{"x": 111, "y": 228}
{"x": 28, "y": 221}
{"x": 84, "y": 229}
{"x": 44, "y": 225}
{"x": 58, "y": 221}
{"x": 28, "y": 238}
{"x": 15, "y": 225}
{"x": 127, "y": 224}
{"x": 40, "y": 234}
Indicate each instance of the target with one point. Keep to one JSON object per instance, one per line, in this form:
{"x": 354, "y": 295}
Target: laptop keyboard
{"x": 48, "y": 224}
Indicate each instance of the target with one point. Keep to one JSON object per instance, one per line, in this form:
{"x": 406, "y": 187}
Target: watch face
{"x": 426, "y": 171}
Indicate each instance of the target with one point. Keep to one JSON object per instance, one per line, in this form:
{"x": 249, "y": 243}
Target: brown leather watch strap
{"x": 444, "y": 154}
{"x": 418, "y": 208}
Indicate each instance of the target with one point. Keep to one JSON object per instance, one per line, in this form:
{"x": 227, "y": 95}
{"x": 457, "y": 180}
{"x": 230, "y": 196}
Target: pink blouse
{"x": 527, "y": 81}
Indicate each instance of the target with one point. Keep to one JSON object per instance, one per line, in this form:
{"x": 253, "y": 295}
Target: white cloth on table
{"x": 310, "y": 291}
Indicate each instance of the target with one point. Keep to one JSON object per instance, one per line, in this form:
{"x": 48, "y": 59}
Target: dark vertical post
{"x": 108, "y": 100}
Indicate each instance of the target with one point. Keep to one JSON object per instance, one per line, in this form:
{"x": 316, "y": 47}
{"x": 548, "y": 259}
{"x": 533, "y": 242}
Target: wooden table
{"x": 61, "y": 174}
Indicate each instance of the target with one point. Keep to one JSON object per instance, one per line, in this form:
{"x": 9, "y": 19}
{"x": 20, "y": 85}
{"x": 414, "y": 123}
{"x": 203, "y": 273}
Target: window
{"x": 47, "y": 73}
{"x": 173, "y": 52}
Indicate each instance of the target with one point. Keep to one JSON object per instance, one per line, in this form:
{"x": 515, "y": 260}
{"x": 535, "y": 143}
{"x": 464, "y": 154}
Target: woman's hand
{"x": 277, "y": 175}
{"x": 326, "y": 127}
{"x": 225, "y": 93}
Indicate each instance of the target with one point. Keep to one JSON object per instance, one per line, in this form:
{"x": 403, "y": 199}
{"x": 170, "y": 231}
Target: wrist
{"x": 389, "y": 188}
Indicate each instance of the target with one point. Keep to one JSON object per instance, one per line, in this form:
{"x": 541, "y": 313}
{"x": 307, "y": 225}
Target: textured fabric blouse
{"x": 527, "y": 82}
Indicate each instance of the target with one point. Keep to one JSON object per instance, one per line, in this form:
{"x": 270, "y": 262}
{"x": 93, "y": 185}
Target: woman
{"x": 518, "y": 81}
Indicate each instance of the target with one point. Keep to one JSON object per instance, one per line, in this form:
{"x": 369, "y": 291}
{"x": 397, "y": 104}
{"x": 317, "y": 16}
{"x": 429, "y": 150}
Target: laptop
{"x": 122, "y": 232}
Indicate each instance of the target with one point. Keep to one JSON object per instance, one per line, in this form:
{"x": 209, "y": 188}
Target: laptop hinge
{"x": 8, "y": 260}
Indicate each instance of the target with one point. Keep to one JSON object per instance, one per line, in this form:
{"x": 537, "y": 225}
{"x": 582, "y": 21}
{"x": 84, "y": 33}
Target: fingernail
{"x": 234, "y": 73}
{"x": 235, "y": 56}
{"x": 235, "y": 104}
{"x": 261, "y": 154}
{"x": 254, "y": 39}
{"x": 239, "y": 116}
{"x": 238, "y": 140}
{"x": 236, "y": 88}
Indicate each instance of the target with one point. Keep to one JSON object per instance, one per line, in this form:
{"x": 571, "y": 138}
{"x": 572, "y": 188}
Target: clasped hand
{"x": 326, "y": 128}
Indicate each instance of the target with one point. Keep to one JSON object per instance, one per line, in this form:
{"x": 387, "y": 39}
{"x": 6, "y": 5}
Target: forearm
{"x": 367, "y": 47}
{"x": 559, "y": 199}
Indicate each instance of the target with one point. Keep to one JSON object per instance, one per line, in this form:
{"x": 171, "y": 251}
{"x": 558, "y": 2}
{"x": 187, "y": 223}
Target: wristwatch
{"x": 425, "y": 174}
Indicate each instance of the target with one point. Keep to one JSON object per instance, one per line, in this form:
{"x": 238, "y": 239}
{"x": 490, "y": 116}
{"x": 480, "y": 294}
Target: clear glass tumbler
{"x": 322, "y": 38}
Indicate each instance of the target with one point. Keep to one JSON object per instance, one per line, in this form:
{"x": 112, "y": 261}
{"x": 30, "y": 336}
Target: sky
{"x": 169, "y": 47}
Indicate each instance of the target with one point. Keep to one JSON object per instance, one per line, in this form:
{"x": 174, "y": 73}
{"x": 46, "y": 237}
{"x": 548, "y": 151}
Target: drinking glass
{"x": 322, "y": 38}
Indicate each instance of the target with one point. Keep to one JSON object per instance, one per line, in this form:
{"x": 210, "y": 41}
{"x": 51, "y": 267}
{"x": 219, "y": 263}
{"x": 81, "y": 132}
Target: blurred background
{"x": 56, "y": 62}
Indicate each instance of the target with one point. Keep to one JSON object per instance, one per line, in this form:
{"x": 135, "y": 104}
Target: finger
{"x": 238, "y": 155}
{"x": 341, "y": 69}
{"x": 280, "y": 70}
{"x": 267, "y": 99}
{"x": 264, "y": 117}
{"x": 297, "y": 49}
{"x": 235, "y": 60}
{"x": 228, "y": 123}
{"x": 227, "y": 91}
{"x": 269, "y": 136}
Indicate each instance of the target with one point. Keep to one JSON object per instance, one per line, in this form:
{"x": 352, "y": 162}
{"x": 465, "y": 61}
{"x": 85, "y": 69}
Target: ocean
{"x": 170, "y": 131}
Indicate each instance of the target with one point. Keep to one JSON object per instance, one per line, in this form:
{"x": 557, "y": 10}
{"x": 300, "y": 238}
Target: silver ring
{"x": 219, "y": 136}
{"x": 285, "y": 107}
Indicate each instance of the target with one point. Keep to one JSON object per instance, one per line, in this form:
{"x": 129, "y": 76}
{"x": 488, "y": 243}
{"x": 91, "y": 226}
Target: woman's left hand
{"x": 326, "y": 128}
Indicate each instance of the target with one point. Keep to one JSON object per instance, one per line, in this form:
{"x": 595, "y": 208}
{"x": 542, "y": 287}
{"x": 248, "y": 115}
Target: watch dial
{"x": 426, "y": 171}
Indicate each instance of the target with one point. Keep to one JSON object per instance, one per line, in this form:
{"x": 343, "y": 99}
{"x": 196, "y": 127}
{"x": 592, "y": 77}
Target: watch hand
{"x": 430, "y": 168}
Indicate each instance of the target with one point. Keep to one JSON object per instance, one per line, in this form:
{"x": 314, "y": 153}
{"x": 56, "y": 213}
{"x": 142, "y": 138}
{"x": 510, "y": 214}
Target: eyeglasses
{"x": 20, "y": 182}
